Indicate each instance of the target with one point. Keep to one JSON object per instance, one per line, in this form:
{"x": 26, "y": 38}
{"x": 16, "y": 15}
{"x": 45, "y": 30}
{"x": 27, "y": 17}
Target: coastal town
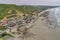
{"x": 26, "y": 22}
{"x": 17, "y": 24}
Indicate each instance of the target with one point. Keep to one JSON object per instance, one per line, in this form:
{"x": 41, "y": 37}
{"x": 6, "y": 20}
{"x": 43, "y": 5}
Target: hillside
{"x": 5, "y": 8}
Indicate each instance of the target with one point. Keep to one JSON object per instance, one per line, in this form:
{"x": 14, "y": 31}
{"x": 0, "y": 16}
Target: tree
{"x": 13, "y": 12}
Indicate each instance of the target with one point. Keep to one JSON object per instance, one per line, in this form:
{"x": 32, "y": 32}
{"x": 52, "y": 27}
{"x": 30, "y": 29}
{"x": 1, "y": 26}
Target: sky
{"x": 31, "y": 2}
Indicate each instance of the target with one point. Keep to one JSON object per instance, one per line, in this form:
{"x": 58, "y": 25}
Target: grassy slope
{"x": 4, "y": 8}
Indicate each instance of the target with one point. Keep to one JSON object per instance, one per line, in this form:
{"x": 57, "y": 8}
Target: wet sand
{"x": 42, "y": 31}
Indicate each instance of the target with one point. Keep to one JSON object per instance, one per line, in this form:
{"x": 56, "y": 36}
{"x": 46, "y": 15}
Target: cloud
{"x": 31, "y": 2}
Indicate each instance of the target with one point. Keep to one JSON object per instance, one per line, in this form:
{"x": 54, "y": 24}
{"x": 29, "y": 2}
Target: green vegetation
{"x": 5, "y": 8}
{"x": 26, "y": 9}
{"x": 3, "y": 35}
{"x": 2, "y": 27}
{"x": 2, "y": 38}
{"x": 13, "y": 12}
